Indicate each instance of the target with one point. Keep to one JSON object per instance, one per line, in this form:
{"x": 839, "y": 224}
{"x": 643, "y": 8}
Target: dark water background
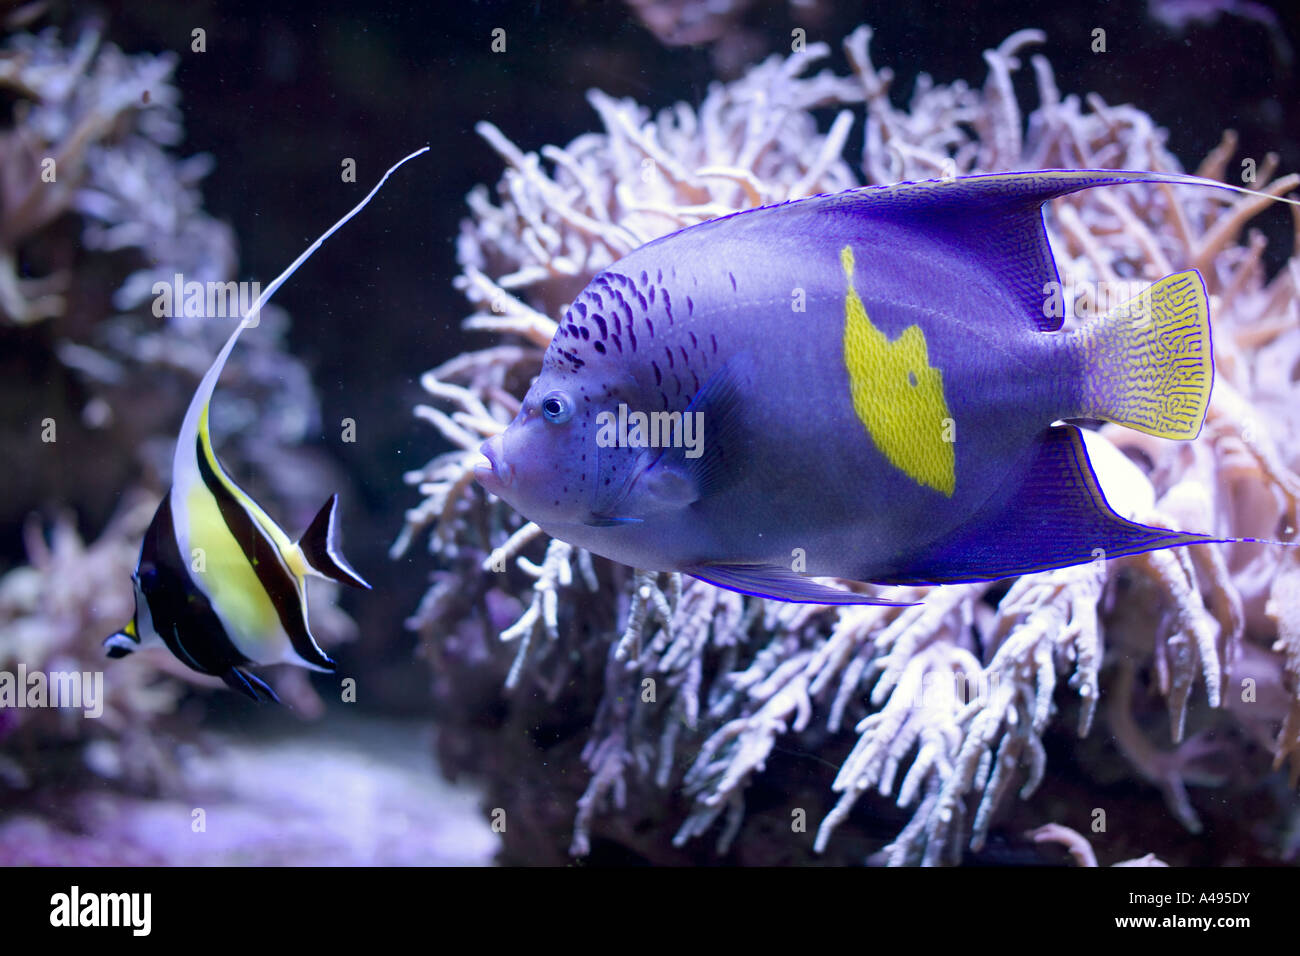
{"x": 287, "y": 89}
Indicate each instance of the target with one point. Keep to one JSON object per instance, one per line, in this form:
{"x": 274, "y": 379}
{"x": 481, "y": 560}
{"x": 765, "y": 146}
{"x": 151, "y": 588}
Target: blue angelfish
{"x": 862, "y": 385}
{"x": 219, "y": 583}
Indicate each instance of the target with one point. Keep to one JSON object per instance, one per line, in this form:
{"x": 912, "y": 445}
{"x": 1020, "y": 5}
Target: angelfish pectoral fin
{"x": 250, "y": 685}
{"x": 319, "y": 545}
{"x": 772, "y": 581}
{"x": 718, "y": 407}
{"x": 610, "y": 521}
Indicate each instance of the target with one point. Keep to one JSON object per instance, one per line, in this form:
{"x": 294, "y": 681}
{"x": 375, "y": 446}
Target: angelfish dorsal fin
{"x": 997, "y": 217}
{"x": 319, "y": 546}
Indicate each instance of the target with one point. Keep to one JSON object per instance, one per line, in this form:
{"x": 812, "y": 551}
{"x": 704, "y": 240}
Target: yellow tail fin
{"x": 1149, "y": 364}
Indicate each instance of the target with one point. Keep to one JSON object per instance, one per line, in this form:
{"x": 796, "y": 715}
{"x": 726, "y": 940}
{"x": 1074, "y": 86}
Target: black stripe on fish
{"x": 181, "y": 612}
{"x": 264, "y": 556}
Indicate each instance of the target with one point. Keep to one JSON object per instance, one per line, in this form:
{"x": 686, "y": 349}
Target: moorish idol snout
{"x": 218, "y": 582}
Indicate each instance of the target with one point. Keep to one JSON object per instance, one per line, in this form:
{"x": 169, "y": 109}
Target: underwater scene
{"x": 649, "y": 432}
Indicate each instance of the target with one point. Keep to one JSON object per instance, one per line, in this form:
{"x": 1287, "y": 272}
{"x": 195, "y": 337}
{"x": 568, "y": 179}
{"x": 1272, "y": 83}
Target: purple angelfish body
{"x": 860, "y": 386}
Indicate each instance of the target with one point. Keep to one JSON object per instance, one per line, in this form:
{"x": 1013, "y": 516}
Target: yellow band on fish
{"x": 897, "y": 395}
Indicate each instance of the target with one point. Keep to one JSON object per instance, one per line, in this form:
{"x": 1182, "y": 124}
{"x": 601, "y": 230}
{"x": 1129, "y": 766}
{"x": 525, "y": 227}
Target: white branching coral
{"x": 53, "y": 615}
{"x": 949, "y": 700}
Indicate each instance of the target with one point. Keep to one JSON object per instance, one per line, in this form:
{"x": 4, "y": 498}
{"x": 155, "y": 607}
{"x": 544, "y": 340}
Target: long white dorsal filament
{"x": 203, "y": 394}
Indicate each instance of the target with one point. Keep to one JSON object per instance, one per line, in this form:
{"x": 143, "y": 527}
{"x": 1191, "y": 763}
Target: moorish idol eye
{"x": 557, "y": 408}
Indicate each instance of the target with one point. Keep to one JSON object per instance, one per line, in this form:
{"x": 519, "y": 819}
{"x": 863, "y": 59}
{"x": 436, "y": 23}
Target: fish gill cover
{"x": 676, "y": 700}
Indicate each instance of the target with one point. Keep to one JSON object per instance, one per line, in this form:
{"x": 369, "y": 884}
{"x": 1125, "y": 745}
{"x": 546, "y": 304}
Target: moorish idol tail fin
{"x": 1149, "y": 364}
{"x": 1053, "y": 517}
{"x": 320, "y": 549}
{"x": 250, "y": 685}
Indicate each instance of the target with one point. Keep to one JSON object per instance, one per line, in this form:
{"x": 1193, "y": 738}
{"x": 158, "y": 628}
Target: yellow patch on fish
{"x": 225, "y": 575}
{"x": 897, "y": 395}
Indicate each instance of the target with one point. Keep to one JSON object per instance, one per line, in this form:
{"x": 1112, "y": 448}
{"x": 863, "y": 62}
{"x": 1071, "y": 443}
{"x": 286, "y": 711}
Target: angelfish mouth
{"x": 494, "y": 472}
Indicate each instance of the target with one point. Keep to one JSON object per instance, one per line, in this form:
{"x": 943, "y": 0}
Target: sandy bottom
{"x": 346, "y": 791}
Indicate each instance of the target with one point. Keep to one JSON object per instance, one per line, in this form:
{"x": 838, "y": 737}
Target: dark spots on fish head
{"x": 685, "y": 358}
{"x": 600, "y": 324}
{"x": 659, "y": 276}
{"x": 714, "y": 339}
{"x": 618, "y": 343}
{"x": 690, "y": 306}
{"x": 668, "y": 350}
{"x": 695, "y": 343}
{"x": 732, "y": 277}
{"x": 651, "y": 326}
{"x": 652, "y": 295}
{"x": 663, "y": 397}
{"x": 644, "y": 278}
{"x": 668, "y": 306}
{"x": 599, "y": 347}
{"x": 581, "y": 309}
{"x": 571, "y": 329}
{"x": 645, "y": 306}
{"x": 631, "y": 337}
{"x": 583, "y": 331}
{"x": 659, "y": 378}
{"x": 677, "y": 382}
{"x": 695, "y": 379}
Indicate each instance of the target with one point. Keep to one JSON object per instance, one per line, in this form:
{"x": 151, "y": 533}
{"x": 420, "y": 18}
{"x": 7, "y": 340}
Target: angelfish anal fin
{"x": 319, "y": 545}
{"x": 781, "y": 584}
{"x": 1052, "y": 516}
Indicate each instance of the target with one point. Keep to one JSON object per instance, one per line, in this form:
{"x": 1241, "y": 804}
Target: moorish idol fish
{"x": 862, "y": 386}
{"x": 219, "y": 583}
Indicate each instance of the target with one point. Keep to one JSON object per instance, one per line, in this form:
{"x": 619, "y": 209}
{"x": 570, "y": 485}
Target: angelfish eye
{"x": 557, "y": 408}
